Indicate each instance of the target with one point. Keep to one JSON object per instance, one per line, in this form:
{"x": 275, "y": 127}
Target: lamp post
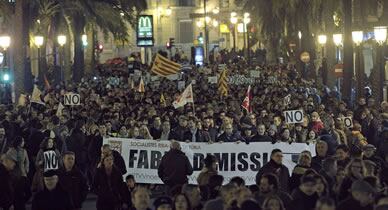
{"x": 337, "y": 38}
{"x": 39, "y": 40}
{"x": 322, "y": 39}
{"x": 381, "y": 37}
{"x": 357, "y": 37}
{"x": 6, "y": 97}
{"x": 233, "y": 20}
{"x": 61, "y": 41}
{"x": 246, "y": 21}
{"x": 300, "y": 41}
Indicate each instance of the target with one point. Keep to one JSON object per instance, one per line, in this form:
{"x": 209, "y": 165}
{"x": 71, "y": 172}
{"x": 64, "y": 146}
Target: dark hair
{"x": 130, "y": 176}
{"x": 324, "y": 181}
{"x": 55, "y": 120}
{"x": 328, "y": 163}
{"x": 272, "y": 180}
{"x": 238, "y": 180}
{"x": 68, "y": 153}
{"x": 306, "y": 179}
{"x": 209, "y": 160}
{"x": 186, "y": 198}
{"x": 271, "y": 197}
{"x": 275, "y": 151}
{"x": 343, "y": 147}
{"x": 17, "y": 141}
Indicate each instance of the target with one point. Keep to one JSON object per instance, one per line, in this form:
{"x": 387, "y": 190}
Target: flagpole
{"x": 193, "y": 108}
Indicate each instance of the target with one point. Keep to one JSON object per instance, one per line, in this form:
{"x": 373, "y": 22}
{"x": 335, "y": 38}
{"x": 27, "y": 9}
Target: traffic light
{"x": 172, "y": 42}
{"x": 168, "y": 45}
{"x": 200, "y": 38}
{"x": 6, "y": 77}
{"x": 99, "y": 48}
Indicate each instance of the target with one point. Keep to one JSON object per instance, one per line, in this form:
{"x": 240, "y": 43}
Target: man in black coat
{"x": 275, "y": 166}
{"x": 174, "y": 167}
{"x": 269, "y": 186}
{"x": 72, "y": 180}
{"x": 179, "y": 131}
{"x": 53, "y": 197}
{"x": 305, "y": 197}
{"x": 6, "y": 190}
{"x": 261, "y": 136}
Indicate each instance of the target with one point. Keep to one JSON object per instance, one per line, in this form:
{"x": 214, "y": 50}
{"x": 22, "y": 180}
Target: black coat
{"x": 6, "y": 189}
{"x": 119, "y": 162}
{"x": 94, "y": 149}
{"x": 178, "y": 133}
{"x": 281, "y": 171}
{"x": 301, "y": 201}
{"x": 58, "y": 199}
{"x": 174, "y": 168}
{"x": 76, "y": 143}
{"x": 109, "y": 189}
{"x": 200, "y": 136}
{"x": 74, "y": 183}
{"x": 261, "y": 138}
{"x": 352, "y": 204}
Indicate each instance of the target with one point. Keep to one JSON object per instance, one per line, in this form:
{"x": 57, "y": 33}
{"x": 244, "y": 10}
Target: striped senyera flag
{"x": 163, "y": 66}
{"x": 223, "y": 84}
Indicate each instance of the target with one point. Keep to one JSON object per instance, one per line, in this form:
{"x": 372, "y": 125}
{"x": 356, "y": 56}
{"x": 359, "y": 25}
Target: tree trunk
{"x": 330, "y": 46}
{"x": 79, "y": 61}
{"x": 348, "y": 50}
{"x": 89, "y": 52}
{"x": 19, "y": 45}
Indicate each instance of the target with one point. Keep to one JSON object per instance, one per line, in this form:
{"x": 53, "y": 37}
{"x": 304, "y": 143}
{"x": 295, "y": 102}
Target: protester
{"x": 53, "y": 196}
{"x": 209, "y": 169}
{"x": 141, "y": 199}
{"x": 108, "y": 185}
{"x": 72, "y": 180}
{"x": 275, "y": 166}
{"x": 7, "y": 192}
{"x": 174, "y": 167}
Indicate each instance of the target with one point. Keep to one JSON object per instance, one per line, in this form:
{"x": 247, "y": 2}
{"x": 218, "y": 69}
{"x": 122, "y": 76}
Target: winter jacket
{"x": 204, "y": 176}
{"x": 281, "y": 171}
{"x": 301, "y": 201}
{"x": 6, "y": 188}
{"x": 174, "y": 168}
{"x": 23, "y": 163}
{"x": 74, "y": 183}
{"x": 200, "y": 136}
{"x": 261, "y": 138}
{"x": 352, "y": 204}
{"x": 76, "y": 143}
{"x": 297, "y": 173}
{"x": 230, "y": 138}
{"x": 108, "y": 188}
{"x": 57, "y": 199}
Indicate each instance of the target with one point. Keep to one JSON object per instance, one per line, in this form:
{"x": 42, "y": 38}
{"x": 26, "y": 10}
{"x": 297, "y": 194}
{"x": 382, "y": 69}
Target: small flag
{"x": 163, "y": 100}
{"x": 46, "y": 83}
{"x": 22, "y": 100}
{"x": 246, "y": 104}
{"x": 141, "y": 88}
{"x": 60, "y": 109}
{"x": 184, "y": 98}
{"x": 35, "y": 97}
{"x": 223, "y": 84}
{"x": 163, "y": 66}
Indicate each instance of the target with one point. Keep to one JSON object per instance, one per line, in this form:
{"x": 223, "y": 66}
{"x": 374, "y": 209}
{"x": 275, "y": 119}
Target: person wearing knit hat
{"x": 362, "y": 197}
{"x": 163, "y": 203}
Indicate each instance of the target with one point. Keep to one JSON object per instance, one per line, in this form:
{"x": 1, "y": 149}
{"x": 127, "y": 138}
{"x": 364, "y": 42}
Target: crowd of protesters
{"x": 349, "y": 170}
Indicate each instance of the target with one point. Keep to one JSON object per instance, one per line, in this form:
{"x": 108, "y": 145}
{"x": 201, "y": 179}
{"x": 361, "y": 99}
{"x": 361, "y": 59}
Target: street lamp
{"x": 5, "y": 42}
{"x": 357, "y": 37}
{"x": 322, "y": 39}
{"x": 338, "y": 41}
{"x": 233, "y": 20}
{"x": 39, "y": 40}
{"x": 337, "y": 38}
{"x": 381, "y": 37}
{"x": 61, "y": 41}
{"x": 215, "y": 23}
{"x": 84, "y": 39}
{"x": 246, "y": 21}
{"x": 300, "y": 40}
{"x": 380, "y": 34}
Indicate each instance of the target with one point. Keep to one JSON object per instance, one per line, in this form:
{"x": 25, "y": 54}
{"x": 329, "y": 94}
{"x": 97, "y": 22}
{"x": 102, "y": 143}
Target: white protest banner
{"x": 72, "y": 99}
{"x": 212, "y": 80}
{"x": 154, "y": 78}
{"x": 50, "y": 160}
{"x": 293, "y": 116}
{"x": 255, "y": 73}
{"x": 348, "y": 121}
{"x": 142, "y": 157}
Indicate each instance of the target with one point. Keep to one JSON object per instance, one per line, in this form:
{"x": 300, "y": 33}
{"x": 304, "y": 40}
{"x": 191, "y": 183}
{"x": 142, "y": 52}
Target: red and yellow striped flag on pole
{"x": 163, "y": 66}
{"x": 223, "y": 84}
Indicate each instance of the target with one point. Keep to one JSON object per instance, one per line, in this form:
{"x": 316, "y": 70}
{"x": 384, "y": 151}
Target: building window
{"x": 185, "y": 3}
{"x": 186, "y": 31}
